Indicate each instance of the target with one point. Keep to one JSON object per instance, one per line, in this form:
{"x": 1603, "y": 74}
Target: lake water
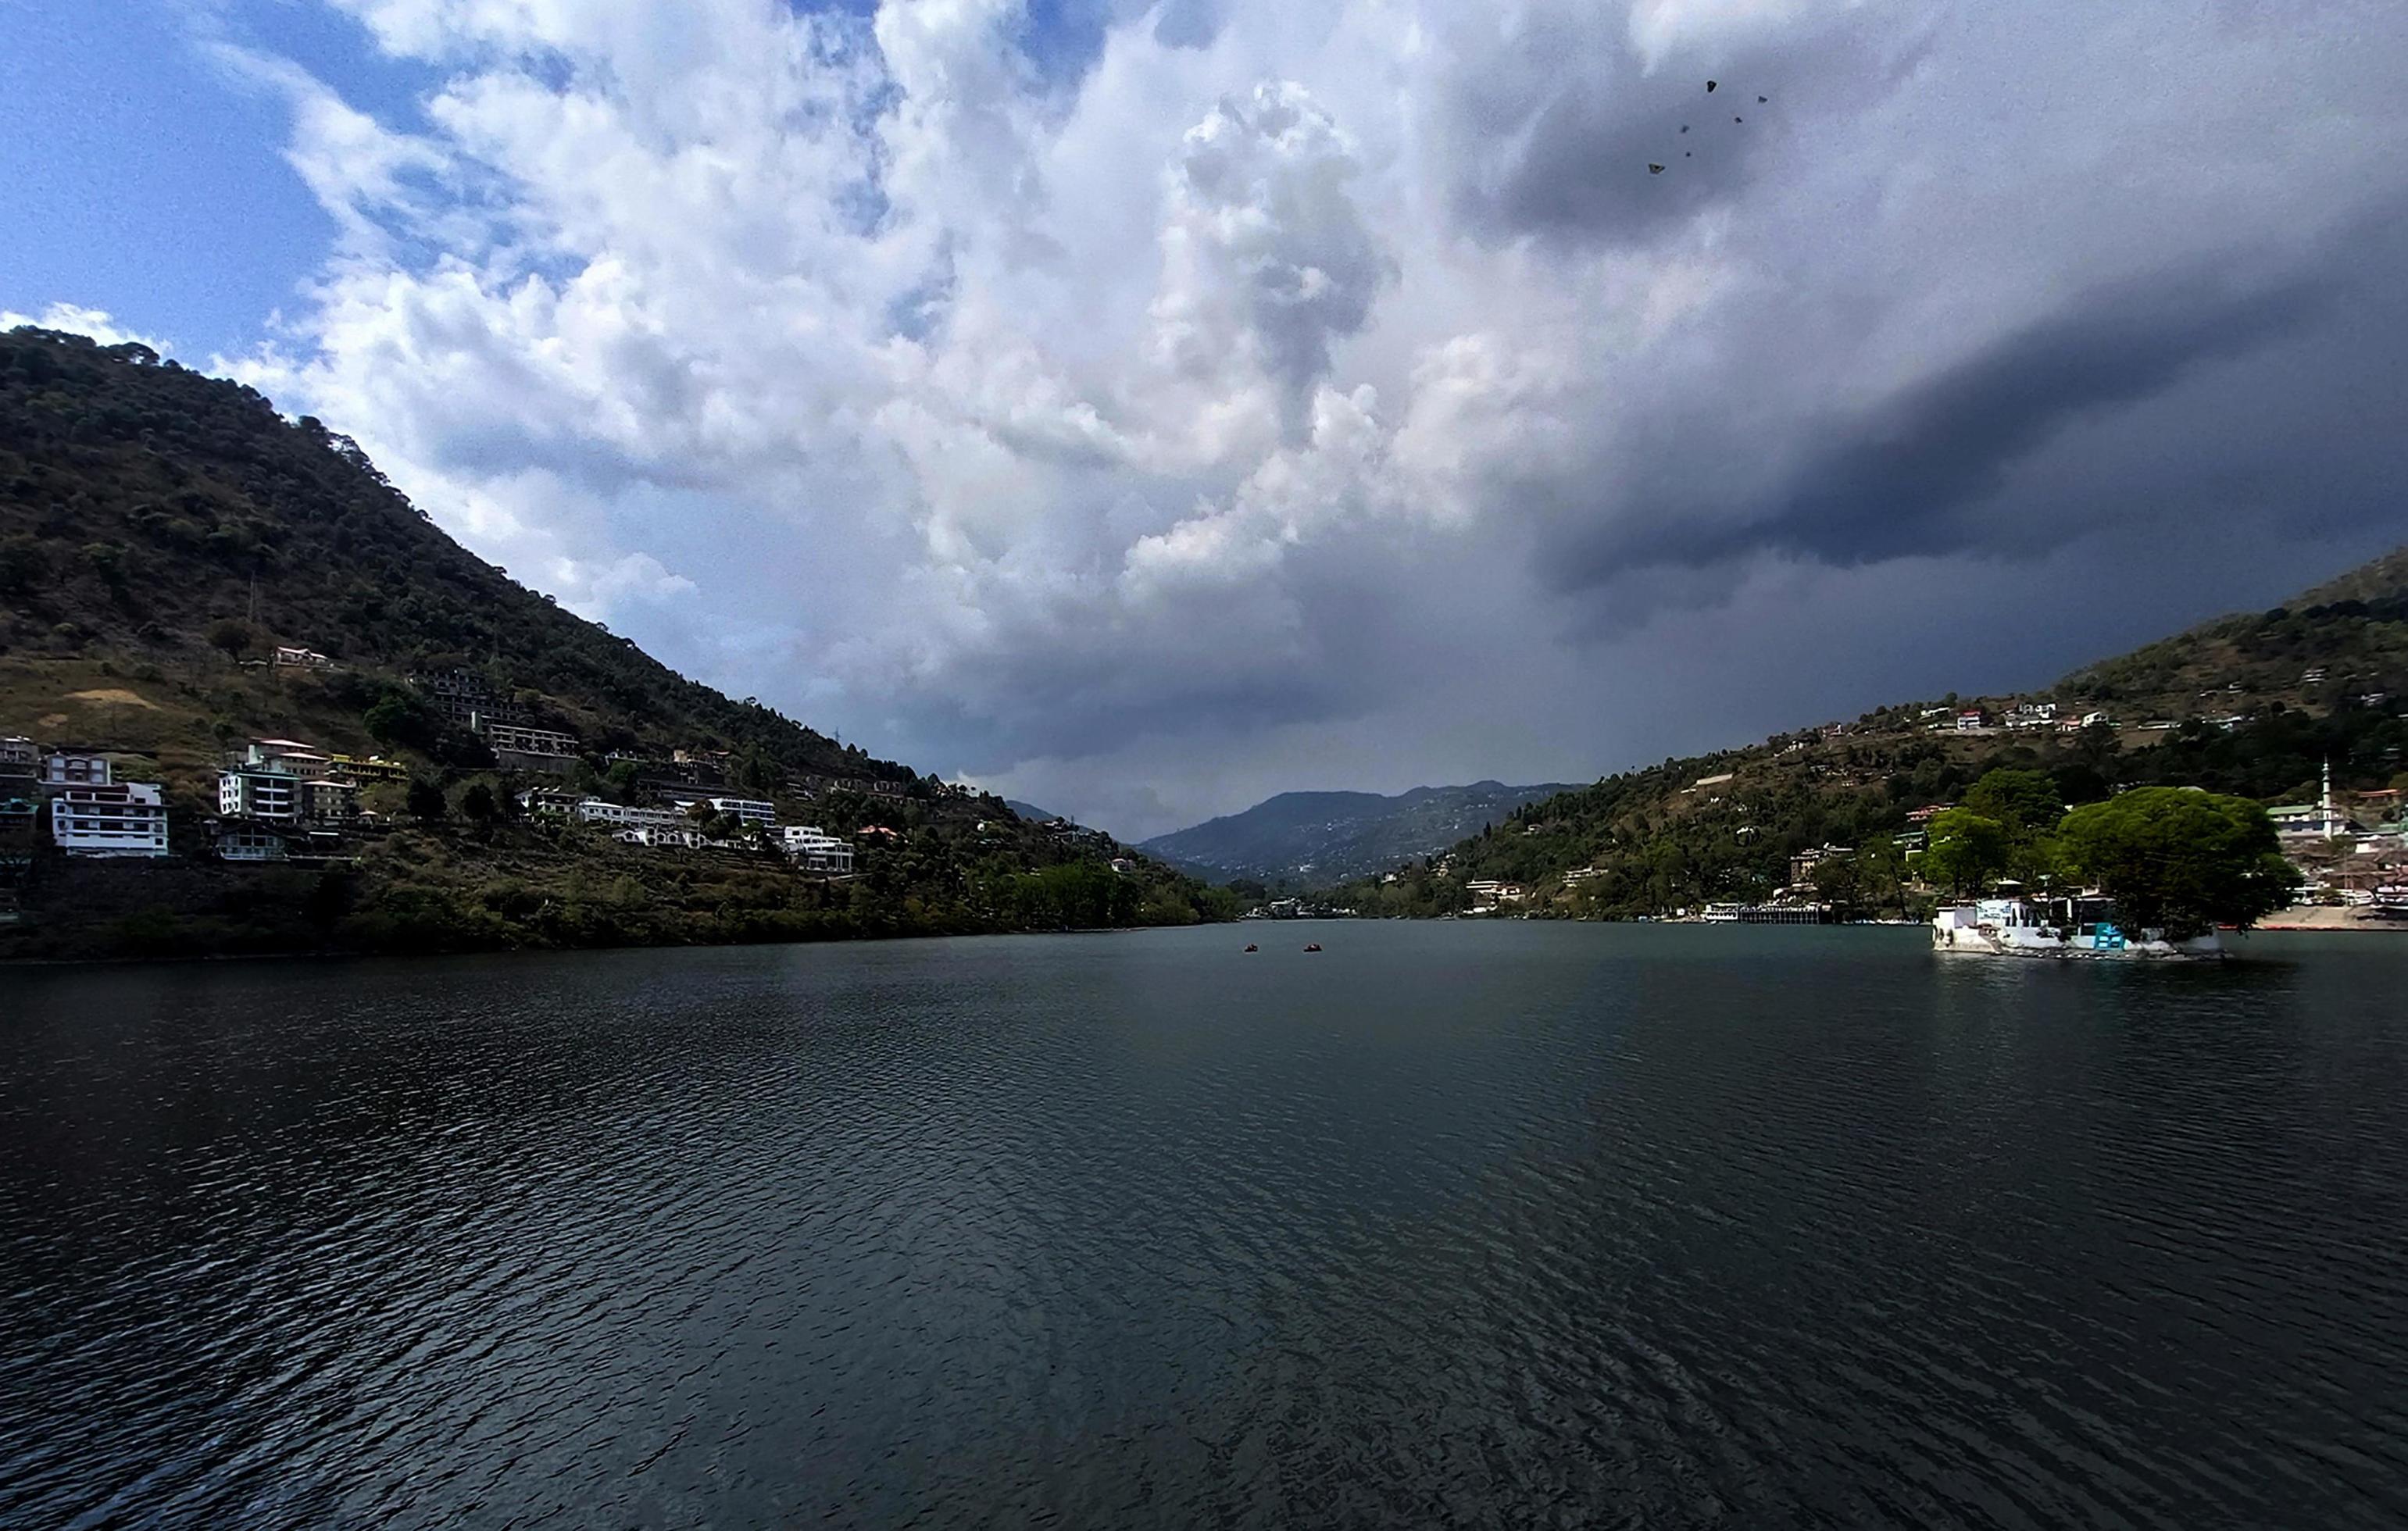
{"x": 1493, "y": 1223}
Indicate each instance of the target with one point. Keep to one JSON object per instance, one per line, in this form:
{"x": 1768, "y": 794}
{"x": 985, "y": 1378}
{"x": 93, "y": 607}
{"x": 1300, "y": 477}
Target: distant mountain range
{"x": 1318, "y": 839}
{"x": 1030, "y": 811}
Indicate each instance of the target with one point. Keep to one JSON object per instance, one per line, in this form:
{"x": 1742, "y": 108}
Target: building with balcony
{"x": 515, "y": 738}
{"x": 814, "y": 851}
{"x": 263, "y": 792}
{"x": 247, "y": 842}
{"x": 461, "y": 696}
{"x": 329, "y": 800}
{"x": 649, "y": 826}
{"x": 110, "y": 818}
{"x": 368, "y": 768}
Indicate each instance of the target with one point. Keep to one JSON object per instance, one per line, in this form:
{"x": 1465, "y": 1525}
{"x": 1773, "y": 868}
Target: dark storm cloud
{"x": 1562, "y": 125}
{"x": 2304, "y": 351}
{"x": 1896, "y": 481}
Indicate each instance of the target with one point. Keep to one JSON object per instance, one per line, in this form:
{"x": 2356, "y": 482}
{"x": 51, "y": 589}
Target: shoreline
{"x": 2321, "y": 919}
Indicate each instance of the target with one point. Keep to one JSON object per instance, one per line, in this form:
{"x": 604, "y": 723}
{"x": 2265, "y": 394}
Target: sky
{"x": 1141, "y": 409}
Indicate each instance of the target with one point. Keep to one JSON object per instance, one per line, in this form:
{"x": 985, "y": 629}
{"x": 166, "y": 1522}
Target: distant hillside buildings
{"x": 678, "y": 827}
{"x": 91, "y": 813}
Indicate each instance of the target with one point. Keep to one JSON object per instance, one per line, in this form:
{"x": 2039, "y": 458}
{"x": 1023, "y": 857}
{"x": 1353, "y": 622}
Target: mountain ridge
{"x": 1320, "y": 838}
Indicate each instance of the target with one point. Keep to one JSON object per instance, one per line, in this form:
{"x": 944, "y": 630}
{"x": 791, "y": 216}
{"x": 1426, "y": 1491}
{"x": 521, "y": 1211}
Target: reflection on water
{"x": 1495, "y": 1223}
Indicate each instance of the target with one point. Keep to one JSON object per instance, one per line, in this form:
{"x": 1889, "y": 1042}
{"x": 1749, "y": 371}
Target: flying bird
{"x": 1709, "y": 86}
{"x": 1655, "y": 170}
{"x": 1760, "y": 100}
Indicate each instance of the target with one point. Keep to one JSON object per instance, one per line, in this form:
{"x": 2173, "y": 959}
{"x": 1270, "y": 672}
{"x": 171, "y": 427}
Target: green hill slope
{"x": 162, "y": 531}
{"x": 2253, "y": 705}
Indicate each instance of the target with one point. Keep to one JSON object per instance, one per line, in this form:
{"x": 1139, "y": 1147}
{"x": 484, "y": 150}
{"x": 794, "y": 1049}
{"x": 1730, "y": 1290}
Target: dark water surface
{"x": 1471, "y": 1223}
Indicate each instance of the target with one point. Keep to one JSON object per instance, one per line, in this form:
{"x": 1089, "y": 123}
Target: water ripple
{"x": 1501, "y": 1226}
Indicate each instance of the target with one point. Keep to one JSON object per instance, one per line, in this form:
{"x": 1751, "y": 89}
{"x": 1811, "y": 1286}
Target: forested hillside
{"x": 149, "y": 510}
{"x": 2253, "y": 706}
{"x": 163, "y": 533}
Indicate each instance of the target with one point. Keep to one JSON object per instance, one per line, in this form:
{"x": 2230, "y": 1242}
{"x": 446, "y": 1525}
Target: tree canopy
{"x": 2025, "y": 804}
{"x": 2180, "y": 860}
{"x": 1967, "y": 849}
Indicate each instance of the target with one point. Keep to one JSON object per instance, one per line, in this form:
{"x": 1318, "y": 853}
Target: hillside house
{"x": 329, "y": 800}
{"x": 285, "y": 781}
{"x": 1802, "y": 865}
{"x": 18, "y": 760}
{"x": 751, "y": 811}
{"x": 75, "y": 768}
{"x": 814, "y": 851}
{"x": 515, "y": 738}
{"x": 247, "y": 842}
{"x": 264, "y": 793}
{"x": 368, "y": 767}
{"x": 461, "y": 696}
{"x": 291, "y": 756}
{"x": 125, "y": 819}
{"x": 653, "y": 827}
{"x": 300, "y": 659}
{"x": 1490, "y": 893}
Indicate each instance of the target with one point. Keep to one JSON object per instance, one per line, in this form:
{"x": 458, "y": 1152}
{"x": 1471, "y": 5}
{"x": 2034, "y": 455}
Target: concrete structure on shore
{"x": 2061, "y": 928}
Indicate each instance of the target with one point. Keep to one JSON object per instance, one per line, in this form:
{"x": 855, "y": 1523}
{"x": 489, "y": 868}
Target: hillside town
{"x": 288, "y": 801}
{"x": 1747, "y": 837}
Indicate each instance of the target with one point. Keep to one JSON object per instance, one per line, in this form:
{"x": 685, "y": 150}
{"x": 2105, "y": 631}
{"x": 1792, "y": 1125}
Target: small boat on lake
{"x": 1313, "y": 946}
{"x": 1252, "y": 947}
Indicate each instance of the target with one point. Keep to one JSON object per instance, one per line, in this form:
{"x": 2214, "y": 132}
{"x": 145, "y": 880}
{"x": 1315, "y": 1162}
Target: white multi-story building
{"x": 594, "y": 810}
{"x": 285, "y": 781}
{"x": 815, "y": 852}
{"x": 651, "y": 826}
{"x": 751, "y": 810}
{"x": 110, "y": 818}
{"x": 259, "y": 792}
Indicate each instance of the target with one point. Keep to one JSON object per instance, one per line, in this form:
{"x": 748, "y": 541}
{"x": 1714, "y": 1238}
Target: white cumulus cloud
{"x": 1269, "y": 393}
